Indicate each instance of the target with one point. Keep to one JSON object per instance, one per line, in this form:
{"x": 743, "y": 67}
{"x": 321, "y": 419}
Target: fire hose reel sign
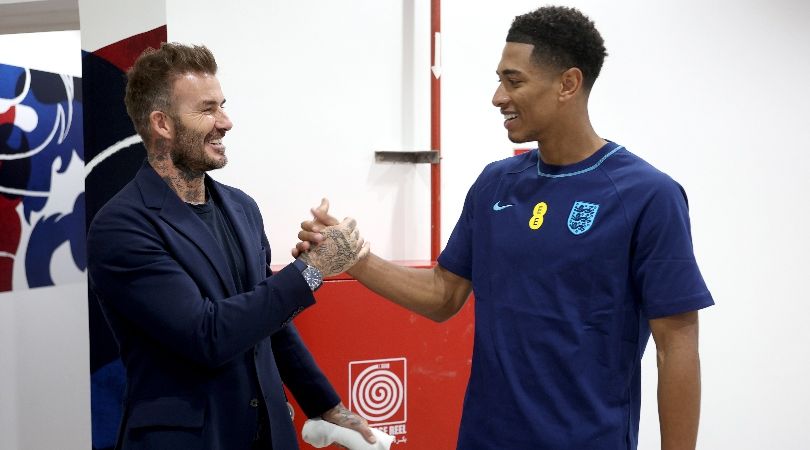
{"x": 378, "y": 391}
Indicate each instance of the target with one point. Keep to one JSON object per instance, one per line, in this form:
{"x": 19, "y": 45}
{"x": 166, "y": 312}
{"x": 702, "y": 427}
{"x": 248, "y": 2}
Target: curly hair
{"x": 563, "y": 38}
{"x": 149, "y": 81}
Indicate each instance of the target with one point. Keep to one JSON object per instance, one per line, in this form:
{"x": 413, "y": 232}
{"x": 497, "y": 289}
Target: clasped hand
{"x": 329, "y": 246}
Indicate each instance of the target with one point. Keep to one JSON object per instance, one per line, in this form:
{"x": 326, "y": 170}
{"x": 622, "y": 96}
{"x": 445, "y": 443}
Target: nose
{"x": 223, "y": 122}
{"x": 500, "y": 98}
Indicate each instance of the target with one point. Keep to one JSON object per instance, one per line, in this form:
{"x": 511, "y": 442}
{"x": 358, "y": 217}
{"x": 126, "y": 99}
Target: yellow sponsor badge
{"x": 536, "y": 221}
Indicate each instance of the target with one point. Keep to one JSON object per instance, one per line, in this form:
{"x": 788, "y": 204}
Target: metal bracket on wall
{"x": 408, "y": 157}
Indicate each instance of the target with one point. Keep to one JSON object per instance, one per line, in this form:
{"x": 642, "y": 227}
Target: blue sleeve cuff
{"x": 680, "y": 306}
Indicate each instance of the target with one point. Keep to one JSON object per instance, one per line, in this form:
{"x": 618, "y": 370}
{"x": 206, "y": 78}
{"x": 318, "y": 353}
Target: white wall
{"x": 714, "y": 93}
{"x": 44, "y": 361}
{"x": 313, "y": 90}
{"x": 44, "y": 369}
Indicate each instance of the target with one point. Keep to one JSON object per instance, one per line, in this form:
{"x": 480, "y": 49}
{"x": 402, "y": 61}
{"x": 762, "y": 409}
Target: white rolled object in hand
{"x": 320, "y": 433}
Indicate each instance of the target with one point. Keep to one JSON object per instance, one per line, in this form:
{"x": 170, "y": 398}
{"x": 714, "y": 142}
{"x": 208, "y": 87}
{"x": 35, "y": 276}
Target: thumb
{"x": 368, "y": 435}
{"x": 321, "y": 214}
{"x": 324, "y": 206}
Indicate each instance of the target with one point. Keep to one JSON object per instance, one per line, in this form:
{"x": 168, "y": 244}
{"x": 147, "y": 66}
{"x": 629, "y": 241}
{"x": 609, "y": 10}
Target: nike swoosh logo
{"x": 497, "y": 206}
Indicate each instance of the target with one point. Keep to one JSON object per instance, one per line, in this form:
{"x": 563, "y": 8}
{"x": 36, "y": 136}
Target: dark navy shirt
{"x": 220, "y": 227}
{"x": 568, "y": 264}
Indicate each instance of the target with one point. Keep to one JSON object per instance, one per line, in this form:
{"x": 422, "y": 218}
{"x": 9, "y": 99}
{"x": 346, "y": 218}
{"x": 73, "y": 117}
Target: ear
{"x": 570, "y": 84}
{"x": 161, "y": 124}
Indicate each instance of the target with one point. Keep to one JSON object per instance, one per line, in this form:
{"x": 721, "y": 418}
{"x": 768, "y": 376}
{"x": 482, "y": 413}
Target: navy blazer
{"x": 197, "y": 354}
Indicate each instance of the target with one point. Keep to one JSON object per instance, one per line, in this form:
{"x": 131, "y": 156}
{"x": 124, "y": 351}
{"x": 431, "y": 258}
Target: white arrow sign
{"x": 437, "y": 55}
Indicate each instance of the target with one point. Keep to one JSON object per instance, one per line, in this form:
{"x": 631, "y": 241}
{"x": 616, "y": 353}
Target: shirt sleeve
{"x": 457, "y": 255}
{"x": 664, "y": 269}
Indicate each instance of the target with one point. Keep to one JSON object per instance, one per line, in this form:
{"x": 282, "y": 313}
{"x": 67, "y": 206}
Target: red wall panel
{"x": 407, "y": 371}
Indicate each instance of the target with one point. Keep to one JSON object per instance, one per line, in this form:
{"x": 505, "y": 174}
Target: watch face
{"x": 313, "y": 277}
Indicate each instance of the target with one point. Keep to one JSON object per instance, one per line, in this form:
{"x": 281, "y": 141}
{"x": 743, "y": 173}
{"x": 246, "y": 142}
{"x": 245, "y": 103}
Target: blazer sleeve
{"x": 301, "y": 374}
{"x": 298, "y": 369}
{"x": 143, "y": 284}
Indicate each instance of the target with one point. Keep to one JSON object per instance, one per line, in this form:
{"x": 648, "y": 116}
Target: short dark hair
{"x": 149, "y": 81}
{"x": 563, "y": 38}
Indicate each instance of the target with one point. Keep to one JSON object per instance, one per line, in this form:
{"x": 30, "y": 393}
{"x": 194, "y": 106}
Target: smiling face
{"x": 527, "y": 94}
{"x": 200, "y": 123}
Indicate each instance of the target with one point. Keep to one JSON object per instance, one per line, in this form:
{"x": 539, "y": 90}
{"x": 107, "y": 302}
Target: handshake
{"x": 328, "y": 245}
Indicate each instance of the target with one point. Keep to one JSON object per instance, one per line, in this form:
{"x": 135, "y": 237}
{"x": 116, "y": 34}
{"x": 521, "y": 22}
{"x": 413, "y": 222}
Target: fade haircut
{"x": 150, "y": 80}
{"x": 563, "y": 38}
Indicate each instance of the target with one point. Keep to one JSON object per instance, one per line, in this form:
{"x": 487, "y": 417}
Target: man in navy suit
{"x": 180, "y": 266}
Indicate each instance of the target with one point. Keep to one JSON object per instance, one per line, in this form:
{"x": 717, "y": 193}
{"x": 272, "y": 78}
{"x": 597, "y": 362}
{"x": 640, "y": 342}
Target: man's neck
{"x": 566, "y": 147}
{"x": 188, "y": 184}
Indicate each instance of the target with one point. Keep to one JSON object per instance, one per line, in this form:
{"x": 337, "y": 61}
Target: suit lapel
{"x": 157, "y": 195}
{"x": 235, "y": 211}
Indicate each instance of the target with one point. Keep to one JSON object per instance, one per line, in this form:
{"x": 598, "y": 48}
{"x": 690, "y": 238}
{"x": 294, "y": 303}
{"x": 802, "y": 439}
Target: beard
{"x": 189, "y": 154}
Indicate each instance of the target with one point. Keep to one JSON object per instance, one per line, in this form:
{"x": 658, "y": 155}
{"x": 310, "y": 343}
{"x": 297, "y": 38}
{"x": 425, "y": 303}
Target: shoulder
{"x": 647, "y": 195}
{"x": 145, "y": 191}
{"x": 126, "y": 203}
{"x": 512, "y": 165}
{"x": 233, "y": 194}
{"x": 236, "y": 195}
{"x": 632, "y": 175}
{"x": 123, "y": 220}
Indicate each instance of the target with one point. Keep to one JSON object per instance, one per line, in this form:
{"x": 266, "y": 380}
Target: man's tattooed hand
{"x": 345, "y": 418}
{"x": 341, "y": 248}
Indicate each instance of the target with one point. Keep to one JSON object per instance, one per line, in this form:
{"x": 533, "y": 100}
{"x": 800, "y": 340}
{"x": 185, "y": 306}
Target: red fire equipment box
{"x": 404, "y": 373}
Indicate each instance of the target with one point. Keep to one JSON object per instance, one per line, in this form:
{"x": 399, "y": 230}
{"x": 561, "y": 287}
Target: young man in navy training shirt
{"x": 575, "y": 252}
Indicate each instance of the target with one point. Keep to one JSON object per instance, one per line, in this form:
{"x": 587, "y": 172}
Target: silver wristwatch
{"x": 311, "y": 274}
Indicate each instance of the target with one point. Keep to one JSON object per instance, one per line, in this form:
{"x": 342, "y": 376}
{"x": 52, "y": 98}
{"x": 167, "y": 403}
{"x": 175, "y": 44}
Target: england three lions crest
{"x": 582, "y": 216}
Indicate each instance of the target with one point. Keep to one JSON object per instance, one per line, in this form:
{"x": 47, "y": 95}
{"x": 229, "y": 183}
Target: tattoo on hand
{"x": 346, "y": 418}
{"x": 336, "y": 254}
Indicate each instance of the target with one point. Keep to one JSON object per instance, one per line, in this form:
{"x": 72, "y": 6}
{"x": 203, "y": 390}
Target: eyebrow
{"x": 207, "y": 103}
{"x": 508, "y": 72}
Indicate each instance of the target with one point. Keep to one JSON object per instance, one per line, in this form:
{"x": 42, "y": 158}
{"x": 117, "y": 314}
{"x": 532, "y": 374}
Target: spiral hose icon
{"x": 377, "y": 393}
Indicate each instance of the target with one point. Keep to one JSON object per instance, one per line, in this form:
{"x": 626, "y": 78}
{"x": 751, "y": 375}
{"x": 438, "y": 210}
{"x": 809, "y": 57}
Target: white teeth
{"x": 509, "y": 116}
{"x": 217, "y": 142}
